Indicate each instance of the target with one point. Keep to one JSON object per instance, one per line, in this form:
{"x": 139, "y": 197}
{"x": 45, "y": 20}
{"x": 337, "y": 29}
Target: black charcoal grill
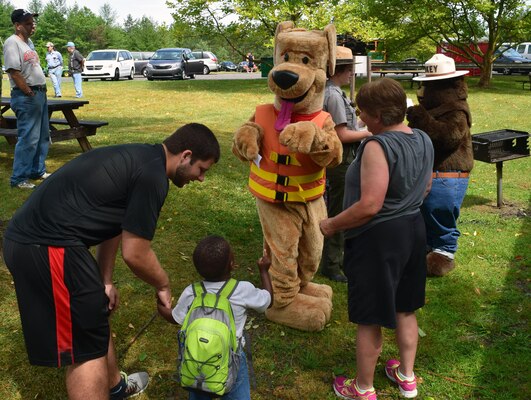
{"x": 497, "y": 147}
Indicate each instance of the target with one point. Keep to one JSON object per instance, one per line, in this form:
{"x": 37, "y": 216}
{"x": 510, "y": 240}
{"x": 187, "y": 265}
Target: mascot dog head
{"x": 301, "y": 60}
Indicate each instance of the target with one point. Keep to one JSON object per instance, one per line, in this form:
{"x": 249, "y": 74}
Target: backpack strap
{"x": 228, "y": 288}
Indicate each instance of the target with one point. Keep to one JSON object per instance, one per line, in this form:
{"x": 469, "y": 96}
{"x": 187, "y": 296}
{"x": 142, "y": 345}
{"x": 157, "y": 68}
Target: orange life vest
{"x": 284, "y": 176}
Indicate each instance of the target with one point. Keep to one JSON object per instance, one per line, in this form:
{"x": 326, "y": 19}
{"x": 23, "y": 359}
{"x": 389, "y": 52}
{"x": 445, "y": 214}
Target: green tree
{"x": 463, "y": 24}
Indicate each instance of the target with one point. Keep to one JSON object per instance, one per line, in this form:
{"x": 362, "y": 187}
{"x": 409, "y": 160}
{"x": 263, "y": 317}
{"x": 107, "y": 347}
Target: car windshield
{"x": 167, "y": 55}
{"x": 102, "y": 55}
{"x": 511, "y": 53}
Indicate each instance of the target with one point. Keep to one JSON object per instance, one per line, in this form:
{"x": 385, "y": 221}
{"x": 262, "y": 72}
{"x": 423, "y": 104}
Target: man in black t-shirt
{"x": 104, "y": 197}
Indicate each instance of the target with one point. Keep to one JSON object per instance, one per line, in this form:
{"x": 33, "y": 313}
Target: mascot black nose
{"x": 285, "y": 79}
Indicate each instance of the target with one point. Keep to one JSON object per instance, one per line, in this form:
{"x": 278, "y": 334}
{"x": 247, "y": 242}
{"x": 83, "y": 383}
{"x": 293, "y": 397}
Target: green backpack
{"x": 207, "y": 342}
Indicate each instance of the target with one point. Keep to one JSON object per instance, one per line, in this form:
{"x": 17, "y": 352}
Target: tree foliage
{"x": 463, "y": 24}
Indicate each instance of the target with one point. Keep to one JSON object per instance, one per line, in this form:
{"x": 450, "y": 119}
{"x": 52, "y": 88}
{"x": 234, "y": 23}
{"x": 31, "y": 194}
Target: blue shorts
{"x": 386, "y": 271}
{"x": 62, "y": 303}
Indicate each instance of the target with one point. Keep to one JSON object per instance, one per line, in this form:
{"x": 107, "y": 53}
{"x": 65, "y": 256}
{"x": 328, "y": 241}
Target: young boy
{"x": 214, "y": 261}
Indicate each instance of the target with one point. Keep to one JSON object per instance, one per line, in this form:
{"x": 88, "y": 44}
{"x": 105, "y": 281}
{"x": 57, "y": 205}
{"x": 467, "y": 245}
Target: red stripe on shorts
{"x": 61, "y": 297}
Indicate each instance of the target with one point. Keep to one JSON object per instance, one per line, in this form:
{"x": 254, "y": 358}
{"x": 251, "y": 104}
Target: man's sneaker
{"x": 348, "y": 389}
{"x": 25, "y": 185}
{"x": 44, "y": 176}
{"x": 136, "y": 383}
{"x": 408, "y": 388}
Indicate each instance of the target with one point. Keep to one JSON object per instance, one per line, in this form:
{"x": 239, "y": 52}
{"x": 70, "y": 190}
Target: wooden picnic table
{"x": 66, "y": 128}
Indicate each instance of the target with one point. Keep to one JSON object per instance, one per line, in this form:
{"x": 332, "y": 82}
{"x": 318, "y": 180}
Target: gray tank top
{"x": 410, "y": 160}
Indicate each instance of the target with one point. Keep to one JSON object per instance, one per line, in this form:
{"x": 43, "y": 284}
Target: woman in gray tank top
{"x": 385, "y": 237}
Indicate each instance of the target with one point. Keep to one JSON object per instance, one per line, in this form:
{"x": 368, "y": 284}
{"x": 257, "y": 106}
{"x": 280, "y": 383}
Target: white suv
{"x": 209, "y": 59}
{"x": 109, "y": 64}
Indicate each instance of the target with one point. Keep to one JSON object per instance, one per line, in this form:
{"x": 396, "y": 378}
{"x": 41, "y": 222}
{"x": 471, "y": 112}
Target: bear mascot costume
{"x": 289, "y": 145}
{"x": 443, "y": 113}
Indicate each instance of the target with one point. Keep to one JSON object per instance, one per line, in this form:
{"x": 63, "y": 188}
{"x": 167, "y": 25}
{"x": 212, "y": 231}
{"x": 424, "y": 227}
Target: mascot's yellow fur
{"x": 289, "y": 144}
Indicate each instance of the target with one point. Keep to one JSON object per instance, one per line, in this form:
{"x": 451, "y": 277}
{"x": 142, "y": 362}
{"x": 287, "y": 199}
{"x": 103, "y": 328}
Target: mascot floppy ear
{"x": 330, "y": 32}
{"x": 281, "y": 27}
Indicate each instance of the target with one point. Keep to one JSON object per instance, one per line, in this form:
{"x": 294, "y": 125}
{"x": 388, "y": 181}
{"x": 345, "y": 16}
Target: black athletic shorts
{"x": 62, "y": 303}
{"x": 386, "y": 271}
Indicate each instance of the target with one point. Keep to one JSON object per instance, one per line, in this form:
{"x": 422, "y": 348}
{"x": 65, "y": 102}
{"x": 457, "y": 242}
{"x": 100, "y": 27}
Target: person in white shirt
{"x": 214, "y": 261}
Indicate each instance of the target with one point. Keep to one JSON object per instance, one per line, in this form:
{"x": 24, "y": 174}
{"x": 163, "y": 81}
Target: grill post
{"x": 499, "y": 183}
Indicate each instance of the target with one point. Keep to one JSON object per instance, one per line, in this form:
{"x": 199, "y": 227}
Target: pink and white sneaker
{"x": 408, "y": 388}
{"x": 348, "y": 389}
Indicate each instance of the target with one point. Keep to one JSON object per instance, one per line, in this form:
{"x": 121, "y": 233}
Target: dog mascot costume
{"x": 289, "y": 144}
{"x": 443, "y": 113}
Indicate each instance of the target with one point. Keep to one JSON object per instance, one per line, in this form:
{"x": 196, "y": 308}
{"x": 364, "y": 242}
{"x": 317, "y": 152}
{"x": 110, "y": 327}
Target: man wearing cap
{"x": 28, "y": 101}
{"x": 342, "y": 112}
{"x": 54, "y": 59}
{"x": 443, "y": 113}
{"x": 75, "y": 66}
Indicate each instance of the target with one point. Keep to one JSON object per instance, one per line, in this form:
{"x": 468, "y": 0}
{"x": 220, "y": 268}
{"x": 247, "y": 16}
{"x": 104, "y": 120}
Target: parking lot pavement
{"x": 229, "y": 75}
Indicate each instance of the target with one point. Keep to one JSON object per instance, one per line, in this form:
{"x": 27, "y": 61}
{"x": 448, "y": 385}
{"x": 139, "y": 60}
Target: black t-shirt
{"x": 94, "y": 197}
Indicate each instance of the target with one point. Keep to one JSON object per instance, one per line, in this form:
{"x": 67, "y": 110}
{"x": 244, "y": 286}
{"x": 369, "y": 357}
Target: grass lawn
{"x": 475, "y": 341}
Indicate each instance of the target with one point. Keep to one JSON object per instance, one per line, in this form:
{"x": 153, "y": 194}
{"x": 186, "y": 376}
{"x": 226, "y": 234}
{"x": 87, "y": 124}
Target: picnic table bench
{"x": 525, "y": 82}
{"x": 76, "y": 129}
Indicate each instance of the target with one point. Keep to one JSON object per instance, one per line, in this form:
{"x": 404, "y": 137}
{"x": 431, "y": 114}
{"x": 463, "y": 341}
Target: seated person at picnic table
{"x": 214, "y": 261}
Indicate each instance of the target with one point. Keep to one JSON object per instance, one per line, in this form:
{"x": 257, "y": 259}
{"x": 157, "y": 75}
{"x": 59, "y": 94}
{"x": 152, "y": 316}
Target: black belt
{"x": 38, "y": 88}
{"x": 57, "y": 66}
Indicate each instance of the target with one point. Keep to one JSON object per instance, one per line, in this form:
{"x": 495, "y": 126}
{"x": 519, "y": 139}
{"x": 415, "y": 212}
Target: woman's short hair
{"x": 197, "y": 138}
{"x": 384, "y": 98}
{"x": 212, "y": 257}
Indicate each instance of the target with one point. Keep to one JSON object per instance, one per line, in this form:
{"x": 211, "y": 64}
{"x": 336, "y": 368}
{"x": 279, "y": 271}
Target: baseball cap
{"x": 49, "y": 44}
{"x": 20, "y": 15}
{"x": 70, "y": 44}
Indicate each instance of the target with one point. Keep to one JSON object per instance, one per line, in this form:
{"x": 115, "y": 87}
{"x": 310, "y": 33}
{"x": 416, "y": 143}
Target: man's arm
{"x": 141, "y": 259}
{"x": 106, "y": 257}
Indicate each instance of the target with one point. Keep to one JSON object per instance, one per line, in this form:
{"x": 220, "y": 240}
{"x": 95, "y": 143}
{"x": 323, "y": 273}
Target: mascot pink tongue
{"x": 284, "y": 115}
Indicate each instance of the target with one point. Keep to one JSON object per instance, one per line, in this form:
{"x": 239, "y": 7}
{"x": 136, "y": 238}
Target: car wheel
{"x": 116, "y": 74}
{"x": 149, "y": 78}
{"x": 181, "y": 75}
{"x": 131, "y": 75}
{"x": 206, "y": 70}
{"x": 144, "y": 72}
{"x": 191, "y": 76}
{"x": 507, "y": 71}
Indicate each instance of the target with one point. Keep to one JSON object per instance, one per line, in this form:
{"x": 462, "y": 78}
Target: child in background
{"x": 214, "y": 261}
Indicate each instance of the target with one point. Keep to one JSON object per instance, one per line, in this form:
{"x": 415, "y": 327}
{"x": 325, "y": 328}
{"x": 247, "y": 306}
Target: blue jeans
{"x": 241, "y": 389}
{"x": 33, "y": 135}
{"x": 76, "y": 76}
{"x": 55, "y": 76}
{"x": 440, "y": 211}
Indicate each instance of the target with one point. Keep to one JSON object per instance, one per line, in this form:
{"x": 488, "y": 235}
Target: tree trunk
{"x": 486, "y": 73}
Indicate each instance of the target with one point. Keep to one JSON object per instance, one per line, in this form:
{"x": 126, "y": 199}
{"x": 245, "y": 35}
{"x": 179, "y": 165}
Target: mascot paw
{"x": 438, "y": 264}
{"x": 317, "y": 290}
{"x": 306, "y": 313}
{"x": 246, "y": 143}
{"x": 416, "y": 113}
{"x": 299, "y": 137}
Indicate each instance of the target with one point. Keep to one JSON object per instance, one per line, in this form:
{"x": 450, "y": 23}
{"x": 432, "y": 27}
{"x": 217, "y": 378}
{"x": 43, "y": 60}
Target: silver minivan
{"x": 109, "y": 64}
{"x": 173, "y": 63}
{"x": 524, "y": 49}
{"x": 210, "y": 60}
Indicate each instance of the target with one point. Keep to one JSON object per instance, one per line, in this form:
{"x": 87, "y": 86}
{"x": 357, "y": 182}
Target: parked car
{"x": 109, "y": 64}
{"x": 511, "y": 56}
{"x": 524, "y": 49}
{"x": 141, "y": 59}
{"x": 210, "y": 61}
{"x": 243, "y": 66}
{"x": 227, "y": 66}
{"x": 173, "y": 63}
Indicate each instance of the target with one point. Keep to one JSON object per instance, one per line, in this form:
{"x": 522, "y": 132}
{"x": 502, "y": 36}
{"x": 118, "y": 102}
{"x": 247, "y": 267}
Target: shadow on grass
{"x": 507, "y": 348}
